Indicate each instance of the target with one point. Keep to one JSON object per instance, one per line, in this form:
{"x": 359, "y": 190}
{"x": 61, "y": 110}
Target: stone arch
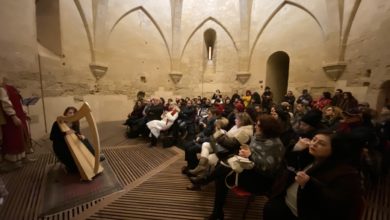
{"x": 87, "y": 28}
{"x": 140, "y": 8}
{"x": 273, "y": 15}
{"x": 383, "y": 96}
{"x": 277, "y": 74}
{"x": 200, "y": 25}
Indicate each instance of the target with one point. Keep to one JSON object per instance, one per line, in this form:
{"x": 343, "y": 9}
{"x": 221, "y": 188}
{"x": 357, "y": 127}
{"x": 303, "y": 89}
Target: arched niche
{"x": 277, "y": 74}
{"x": 49, "y": 25}
{"x": 209, "y": 39}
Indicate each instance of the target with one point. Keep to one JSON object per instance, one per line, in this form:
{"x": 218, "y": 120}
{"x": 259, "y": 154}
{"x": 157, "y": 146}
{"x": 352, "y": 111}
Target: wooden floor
{"x": 154, "y": 188}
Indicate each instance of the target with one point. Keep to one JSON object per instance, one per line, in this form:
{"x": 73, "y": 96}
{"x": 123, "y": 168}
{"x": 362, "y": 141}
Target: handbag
{"x": 238, "y": 164}
{"x": 219, "y": 150}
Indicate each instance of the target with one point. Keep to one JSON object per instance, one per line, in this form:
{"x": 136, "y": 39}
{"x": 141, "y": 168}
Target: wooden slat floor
{"x": 153, "y": 187}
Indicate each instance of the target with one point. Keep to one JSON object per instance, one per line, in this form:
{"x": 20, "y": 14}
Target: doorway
{"x": 277, "y": 74}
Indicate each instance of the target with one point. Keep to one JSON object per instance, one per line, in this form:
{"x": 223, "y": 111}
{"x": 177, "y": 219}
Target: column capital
{"x": 176, "y": 77}
{"x": 334, "y": 70}
{"x": 243, "y": 77}
{"x": 98, "y": 70}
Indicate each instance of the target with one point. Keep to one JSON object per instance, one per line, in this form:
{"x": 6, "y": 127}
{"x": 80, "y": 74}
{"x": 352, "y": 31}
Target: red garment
{"x": 321, "y": 103}
{"x": 15, "y": 138}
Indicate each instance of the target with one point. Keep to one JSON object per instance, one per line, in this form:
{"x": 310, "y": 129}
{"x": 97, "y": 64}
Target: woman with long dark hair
{"x": 60, "y": 147}
{"x": 328, "y": 188}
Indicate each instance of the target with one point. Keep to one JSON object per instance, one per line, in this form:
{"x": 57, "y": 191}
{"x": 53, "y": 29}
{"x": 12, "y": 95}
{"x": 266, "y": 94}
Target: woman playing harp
{"x": 60, "y": 146}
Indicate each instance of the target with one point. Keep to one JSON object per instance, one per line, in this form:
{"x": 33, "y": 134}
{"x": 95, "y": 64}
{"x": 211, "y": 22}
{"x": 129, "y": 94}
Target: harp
{"x": 87, "y": 163}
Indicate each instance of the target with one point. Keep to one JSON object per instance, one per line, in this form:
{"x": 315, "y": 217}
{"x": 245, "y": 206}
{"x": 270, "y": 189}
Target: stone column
{"x": 98, "y": 66}
{"x": 245, "y": 18}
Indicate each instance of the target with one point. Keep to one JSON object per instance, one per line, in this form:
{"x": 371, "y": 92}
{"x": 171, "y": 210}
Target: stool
{"x": 240, "y": 192}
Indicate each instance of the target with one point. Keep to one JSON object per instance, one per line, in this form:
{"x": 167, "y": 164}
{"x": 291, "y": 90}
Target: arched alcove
{"x": 384, "y": 95}
{"x": 277, "y": 74}
{"x": 48, "y": 25}
{"x": 209, "y": 39}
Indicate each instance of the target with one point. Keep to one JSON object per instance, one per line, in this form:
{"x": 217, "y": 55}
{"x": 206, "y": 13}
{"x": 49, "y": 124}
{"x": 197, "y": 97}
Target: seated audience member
{"x": 187, "y": 115}
{"x": 337, "y": 97}
{"x": 351, "y": 119}
{"x": 153, "y": 110}
{"x": 235, "y": 96}
{"x": 324, "y": 100}
{"x": 299, "y": 112}
{"x": 331, "y": 117}
{"x": 306, "y": 129}
{"x": 256, "y": 98}
{"x": 286, "y": 133}
{"x": 136, "y": 114}
{"x": 290, "y": 98}
{"x": 193, "y": 147}
{"x": 266, "y": 151}
{"x": 230, "y": 142}
{"x": 328, "y": 188}
{"x": 228, "y": 107}
{"x": 217, "y": 95}
{"x": 60, "y": 147}
{"x": 206, "y": 158}
{"x": 247, "y": 98}
{"x": 368, "y": 114}
{"x": 167, "y": 120}
{"x": 348, "y": 102}
{"x": 305, "y": 98}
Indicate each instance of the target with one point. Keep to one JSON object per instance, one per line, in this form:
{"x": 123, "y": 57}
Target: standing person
{"x": 16, "y": 136}
{"x": 267, "y": 99}
{"x": 328, "y": 188}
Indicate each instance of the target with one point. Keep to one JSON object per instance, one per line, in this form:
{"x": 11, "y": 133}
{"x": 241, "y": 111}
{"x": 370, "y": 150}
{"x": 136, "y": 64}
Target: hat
{"x": 312, "y": 118}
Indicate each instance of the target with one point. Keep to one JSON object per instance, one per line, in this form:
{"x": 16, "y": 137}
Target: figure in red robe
{"x": 15, "y": 133}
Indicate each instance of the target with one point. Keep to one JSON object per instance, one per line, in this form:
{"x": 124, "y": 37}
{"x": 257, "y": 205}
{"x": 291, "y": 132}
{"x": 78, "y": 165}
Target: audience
{"x": 314, "y": 161}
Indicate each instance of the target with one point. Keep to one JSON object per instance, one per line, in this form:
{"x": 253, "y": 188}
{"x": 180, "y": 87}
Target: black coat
{"x": 334, "y": 191}
{"x": 61, "y": 149}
